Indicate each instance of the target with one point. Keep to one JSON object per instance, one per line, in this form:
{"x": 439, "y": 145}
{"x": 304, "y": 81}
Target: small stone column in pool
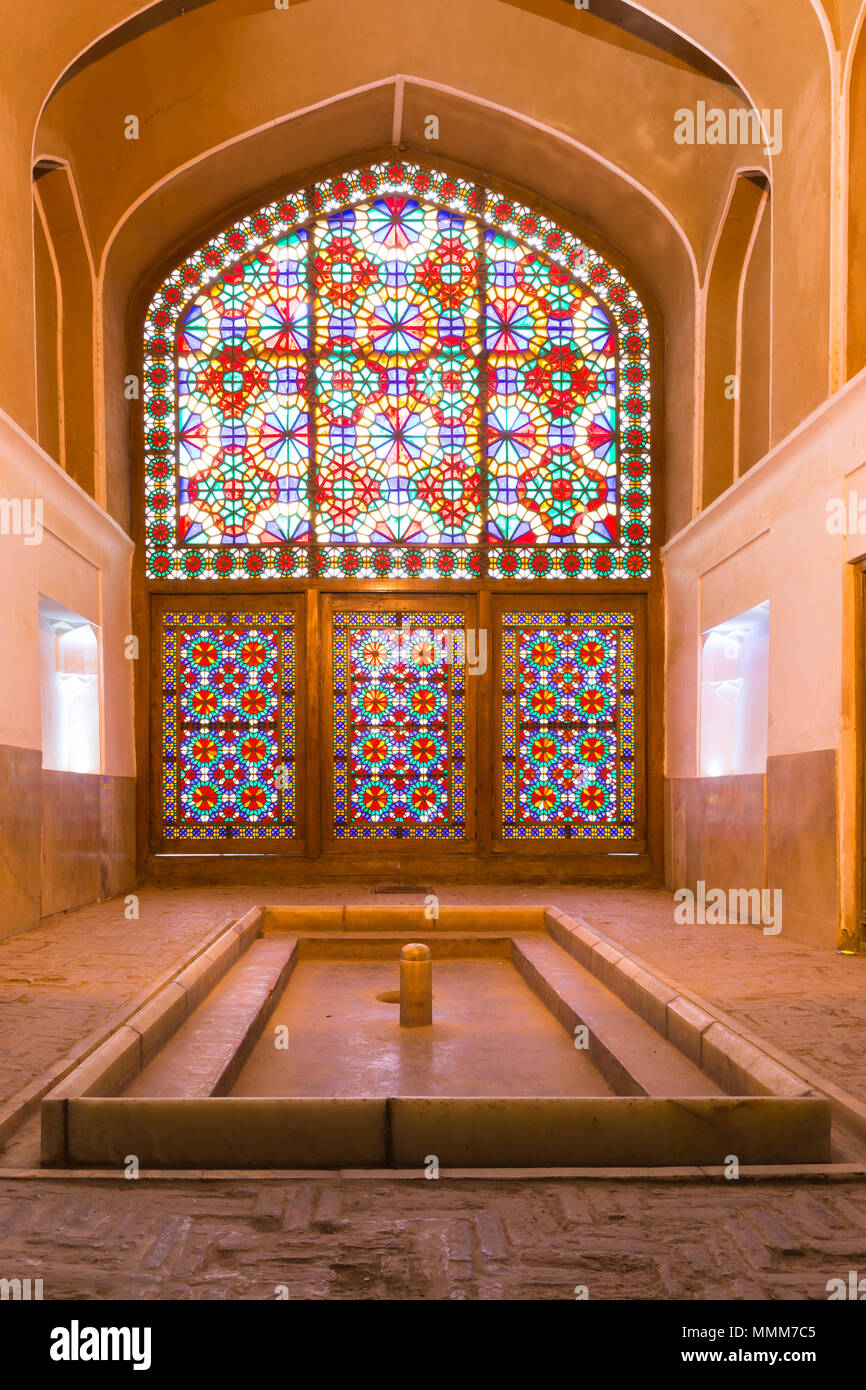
{"x": 416, "y": 986}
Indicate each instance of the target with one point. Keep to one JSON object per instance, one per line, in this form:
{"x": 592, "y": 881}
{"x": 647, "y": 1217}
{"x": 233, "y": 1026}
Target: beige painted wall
{"x": 66, "y": 838}
{"x": 83, "y": 562}
{"x": 768, "y": 538}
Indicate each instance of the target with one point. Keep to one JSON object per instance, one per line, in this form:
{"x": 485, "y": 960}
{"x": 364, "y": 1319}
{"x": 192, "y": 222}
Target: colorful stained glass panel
{"x": 242, "y": 404}
{"x": 552, "y": 406}
{"x": 397, "y": 308}
{"x": 397, "y": 372}
{"x": 399, "y": 726}
{"x": 568, "y": 725}
{"x": 228, "y": 726}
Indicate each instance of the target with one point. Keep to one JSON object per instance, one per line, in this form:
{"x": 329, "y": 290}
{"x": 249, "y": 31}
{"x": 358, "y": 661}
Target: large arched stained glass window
{"x": 398, "y": 373}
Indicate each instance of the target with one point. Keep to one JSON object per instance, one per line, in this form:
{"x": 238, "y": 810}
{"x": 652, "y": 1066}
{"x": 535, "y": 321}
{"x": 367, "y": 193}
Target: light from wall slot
{"x": 70, "y": 690}
{"x": 735, "y": 658}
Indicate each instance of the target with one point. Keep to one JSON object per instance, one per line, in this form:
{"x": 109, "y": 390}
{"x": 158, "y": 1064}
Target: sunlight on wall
{"x": 734, "y": 694}
{"x": 69, "y": 659}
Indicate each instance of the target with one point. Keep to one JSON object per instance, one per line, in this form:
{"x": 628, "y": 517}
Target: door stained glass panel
{"x": 568, "y": 725}
{"x": 399, "y": 726}
{"x": 228, "y": 725}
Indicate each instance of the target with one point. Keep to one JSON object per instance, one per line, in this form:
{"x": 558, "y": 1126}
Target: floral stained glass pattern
{"x": 397, "y": 373}
{"x": 397, "y": 389}
{"x": 568, "y": 725}
{"x": 551, "y": 423}
{"x": 228, "y": 726}
{"x": 399, "y": 726}
{"x": 242, "y": 412}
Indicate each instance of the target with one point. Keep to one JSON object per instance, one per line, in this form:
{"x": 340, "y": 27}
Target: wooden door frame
{"x": 146, "y": 591}
{"x": 480, "y": 859}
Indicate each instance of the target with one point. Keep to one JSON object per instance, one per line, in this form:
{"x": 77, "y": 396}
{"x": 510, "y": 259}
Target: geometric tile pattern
{"x": 568, "y": 715}
{"x": 396, "y": 372}
{"x": 228, "y": 718}
{"x": 399, "y": 725}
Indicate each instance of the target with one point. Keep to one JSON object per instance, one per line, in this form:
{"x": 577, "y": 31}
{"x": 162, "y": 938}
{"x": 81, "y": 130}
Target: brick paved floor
{"x": 67, "y": 977}
{"x": 451, "y": 1239}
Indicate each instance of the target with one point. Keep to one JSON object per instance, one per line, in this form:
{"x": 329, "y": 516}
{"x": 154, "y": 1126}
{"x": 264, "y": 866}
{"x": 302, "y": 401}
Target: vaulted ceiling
{"x": 236, "y": 97}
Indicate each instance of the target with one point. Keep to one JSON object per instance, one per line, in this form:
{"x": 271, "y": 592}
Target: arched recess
{"x": 396, "y": 404}
{"x": 856, "y": 117}
{"x": 535, "y": 120}
{"x": 597, "y": 194}
{"x": 47, "y": 306}
{"x": 65, "y": 300}
{"x": 754, "y": 426}
{"x": 736, "y": 358}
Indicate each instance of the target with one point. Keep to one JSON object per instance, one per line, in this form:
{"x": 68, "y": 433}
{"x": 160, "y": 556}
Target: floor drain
{"x": 401, "y": 888}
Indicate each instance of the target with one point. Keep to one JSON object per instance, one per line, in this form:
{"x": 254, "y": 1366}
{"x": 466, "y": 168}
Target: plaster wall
{"x": 65, "y": 838}
{"x": 770, "y": 537}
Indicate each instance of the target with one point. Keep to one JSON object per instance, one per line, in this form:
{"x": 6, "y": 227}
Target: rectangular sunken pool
{"x": 281, "y": 1046}
{"x": 490, "y": 1036}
